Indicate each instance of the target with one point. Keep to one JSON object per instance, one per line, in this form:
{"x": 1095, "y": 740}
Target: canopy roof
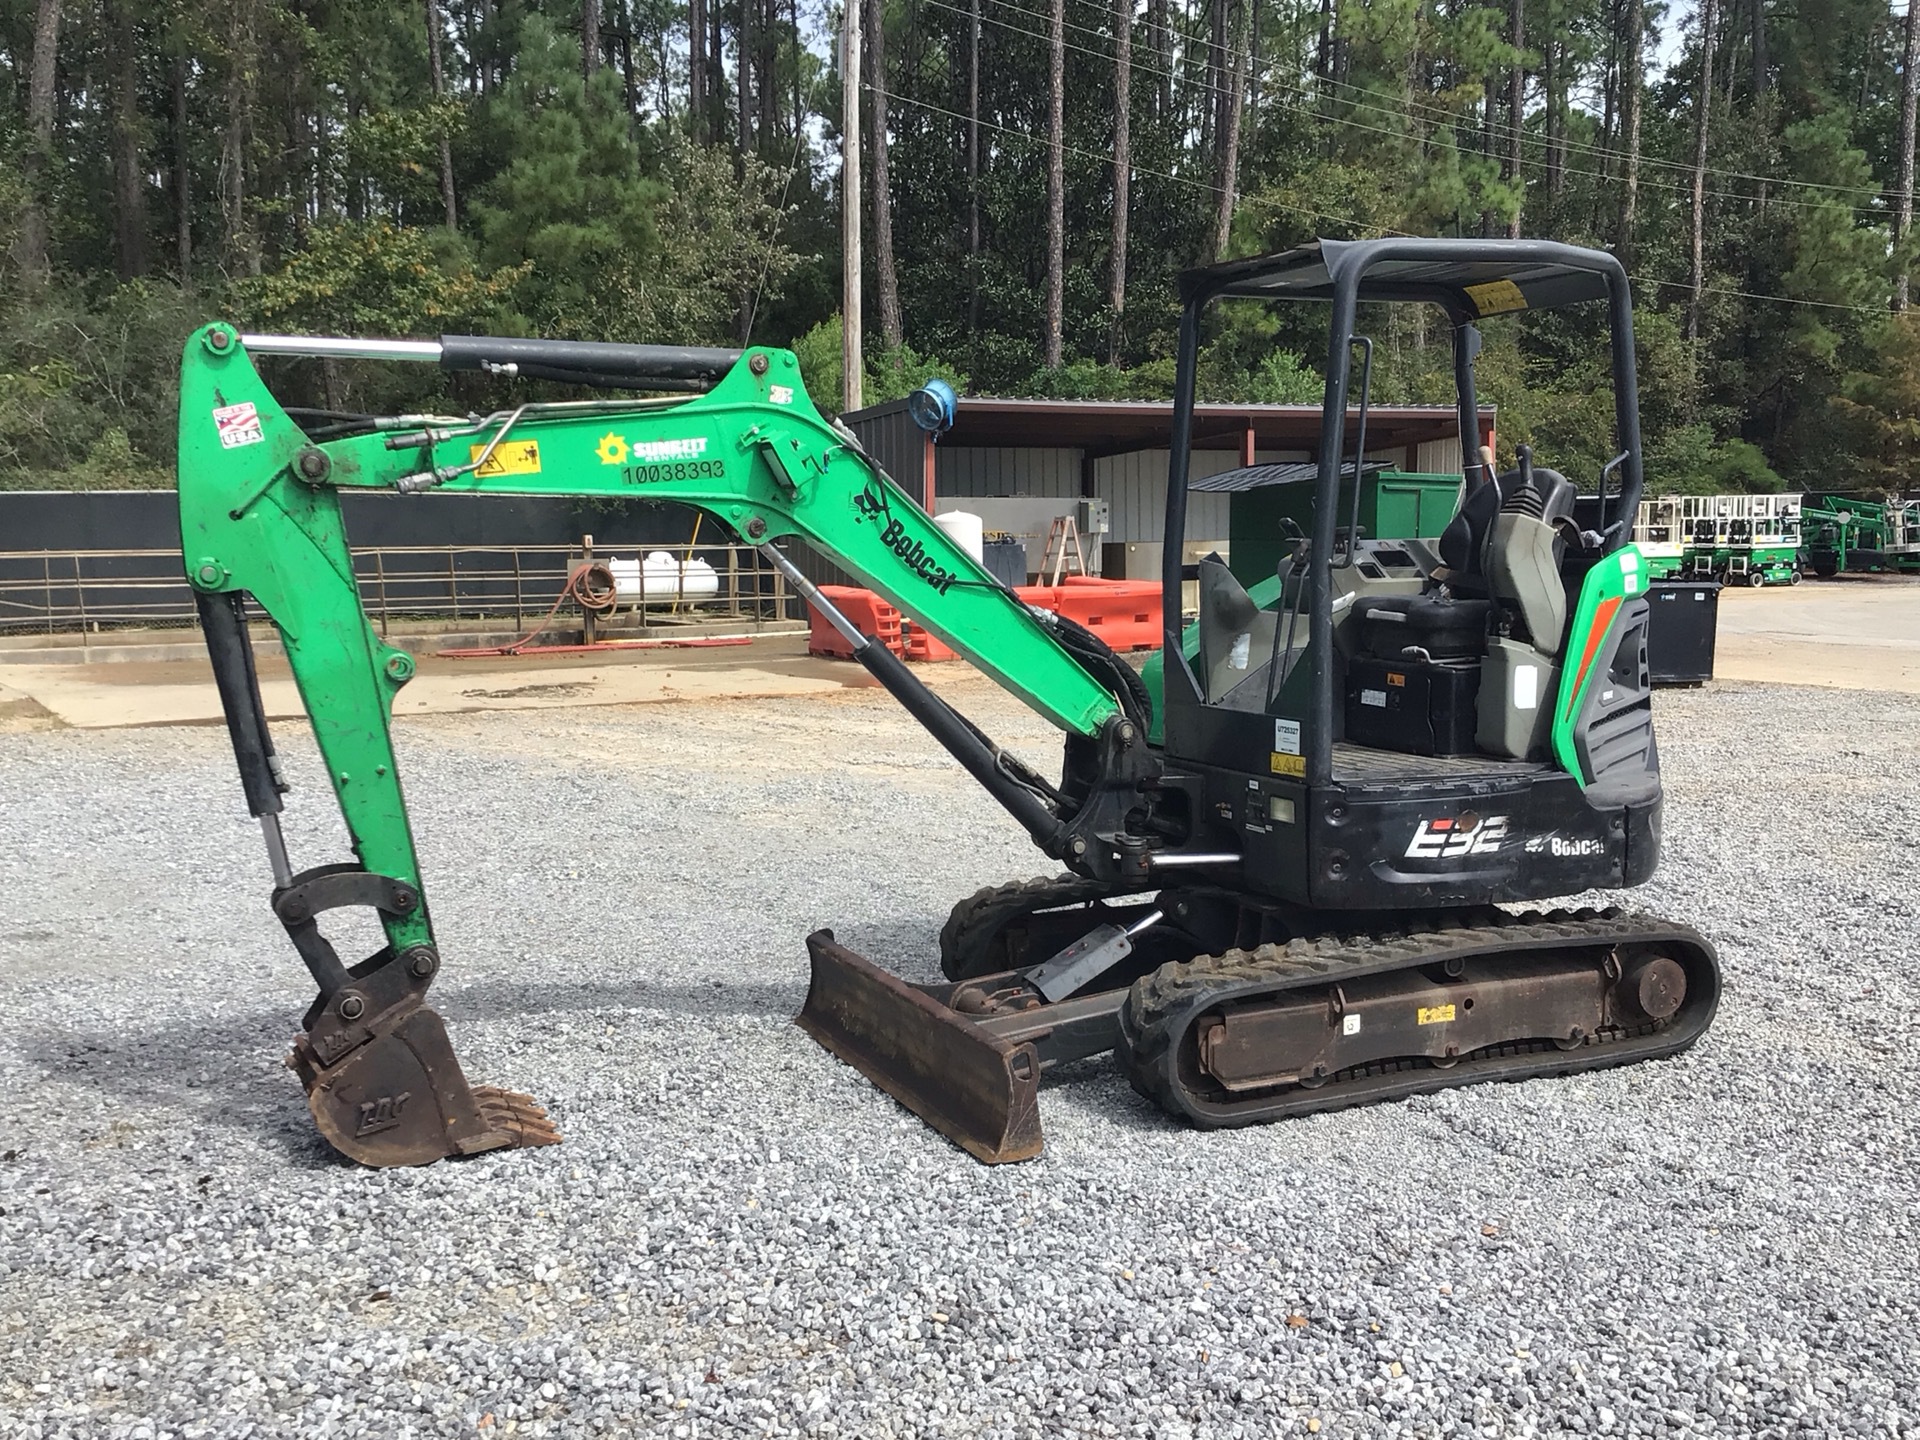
{"x": 1470, "y": 278}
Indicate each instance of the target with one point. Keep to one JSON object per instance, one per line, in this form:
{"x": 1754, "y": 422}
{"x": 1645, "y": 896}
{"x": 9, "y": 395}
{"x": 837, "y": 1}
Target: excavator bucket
{"x": 398, "y": 1097}
{"x": 982, "y": 1092}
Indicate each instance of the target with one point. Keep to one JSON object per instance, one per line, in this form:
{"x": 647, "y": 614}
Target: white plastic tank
{"x": 966, "y": 530}
{"x": 662, "y": 579}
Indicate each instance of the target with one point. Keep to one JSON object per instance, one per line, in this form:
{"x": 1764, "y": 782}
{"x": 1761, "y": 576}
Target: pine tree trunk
{"x": 1053, "y": 348}
{"x": 1122, "y": 171}
{"x": 1555, "y": 81}
{"x": 743, "y": 87}
{"x": 886, "y": 278}
{"x": 1487, "y": 123}
{"x": 589, "y": 37}
{"x": 436, "y": 76}
{"x": 1903, "y": 201}
{"x": 1632, "y": 82}
{"x": 129, "y": 170}
{"x": 973, "y": 171}
{"x": 242, "y": 243}
{"x": 1214, "y": 95}
{"x": 852, "y": 360}
{"x": 697, "y": 68}
{"x": 799, "y": 114}
{"x": 1160, "y": 39}
{"x": 1709, "y": 27}
{"x": 1762, "y": 76}
{"x": 1235, "y": 98}
{"x": 182, "y": 176}
{"x": 768, "y": 88}
{"x": 1516, "y": 116}
{"x": 30, "y": 247}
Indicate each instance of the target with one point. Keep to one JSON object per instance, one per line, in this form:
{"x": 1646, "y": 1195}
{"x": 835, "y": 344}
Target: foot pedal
{"x": 980, "y": 1091}
{"x": 399, "y": 1098}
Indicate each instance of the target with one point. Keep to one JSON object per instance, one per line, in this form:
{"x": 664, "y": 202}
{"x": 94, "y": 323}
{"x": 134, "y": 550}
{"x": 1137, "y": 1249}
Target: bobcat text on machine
{"x": 1286, "y": 843}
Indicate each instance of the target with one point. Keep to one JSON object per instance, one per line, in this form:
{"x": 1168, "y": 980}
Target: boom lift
{"x": 1285, "y": 846}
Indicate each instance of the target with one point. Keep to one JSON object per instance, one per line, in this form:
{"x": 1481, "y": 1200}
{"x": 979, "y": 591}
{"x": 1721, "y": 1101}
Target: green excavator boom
{"x": 260, "y": 517}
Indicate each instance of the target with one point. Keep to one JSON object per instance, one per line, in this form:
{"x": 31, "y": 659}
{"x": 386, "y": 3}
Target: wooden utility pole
{"x": 852, "y": 363}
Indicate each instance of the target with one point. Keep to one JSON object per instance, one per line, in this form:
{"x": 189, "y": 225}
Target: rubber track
{"x": 999, "y": 905}
{"x": 1160, "y": 1010}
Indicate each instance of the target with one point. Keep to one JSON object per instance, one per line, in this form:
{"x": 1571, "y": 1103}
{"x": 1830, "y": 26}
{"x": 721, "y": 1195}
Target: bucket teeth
{"x": 508, "y": 1112}
{"x": 399, "y": 1098}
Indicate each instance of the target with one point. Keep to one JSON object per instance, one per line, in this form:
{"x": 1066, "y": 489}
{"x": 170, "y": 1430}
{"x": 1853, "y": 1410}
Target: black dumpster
{"x": 1685, "y": 616}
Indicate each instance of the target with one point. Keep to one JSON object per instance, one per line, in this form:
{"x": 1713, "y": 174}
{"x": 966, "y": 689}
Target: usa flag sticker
{"x": 238, "y": 425}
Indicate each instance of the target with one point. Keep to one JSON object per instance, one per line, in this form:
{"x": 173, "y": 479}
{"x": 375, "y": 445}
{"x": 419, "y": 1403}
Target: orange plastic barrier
{"x": 922, "y": 646}
{"x": 865, "y": 609}
{"x": 1124, "y": 613}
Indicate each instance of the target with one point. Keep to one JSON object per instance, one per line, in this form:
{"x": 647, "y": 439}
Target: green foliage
{"x": 309, "y": 140}
{"x": 888, "y": 375}
{"x": 371, "y": 277}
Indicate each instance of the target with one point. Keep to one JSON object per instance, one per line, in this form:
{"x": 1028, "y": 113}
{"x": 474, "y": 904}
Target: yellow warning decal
{"x": 1288, "y": 764}
{"x": 511, "y": 457}
{"x": 1496, "y": 297}
{"x": 1435, "y": 1015}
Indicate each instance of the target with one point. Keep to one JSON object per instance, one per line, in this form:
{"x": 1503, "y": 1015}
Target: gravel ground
{"x": 741, "y": 1237}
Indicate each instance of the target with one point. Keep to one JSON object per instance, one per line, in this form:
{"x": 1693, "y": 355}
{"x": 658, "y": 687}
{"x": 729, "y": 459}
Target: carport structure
{"x": 1016, "y": 462}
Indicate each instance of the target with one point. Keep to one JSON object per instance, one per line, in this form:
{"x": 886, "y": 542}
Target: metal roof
{"x": 1116, "y": 427}
{"x": 1258, "y": 477}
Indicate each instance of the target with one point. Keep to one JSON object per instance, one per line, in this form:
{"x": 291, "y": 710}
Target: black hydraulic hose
{"x": 223, "y": 621}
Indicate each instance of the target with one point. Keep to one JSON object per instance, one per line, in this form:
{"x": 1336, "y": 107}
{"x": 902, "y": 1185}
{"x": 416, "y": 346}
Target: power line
{"x": 1310, "y": 111}
{"x": 1644, "y": 284}
{"x": 1263, "y": 70}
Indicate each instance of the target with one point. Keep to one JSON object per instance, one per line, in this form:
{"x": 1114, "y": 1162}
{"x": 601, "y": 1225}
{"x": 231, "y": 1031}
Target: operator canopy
{"x": 1471, "y": 279}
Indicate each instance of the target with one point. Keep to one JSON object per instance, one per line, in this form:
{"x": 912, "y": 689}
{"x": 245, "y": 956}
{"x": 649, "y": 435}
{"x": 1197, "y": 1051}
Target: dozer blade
{"x": 980, "y": 1091}
{"x": 399, "y": 1098}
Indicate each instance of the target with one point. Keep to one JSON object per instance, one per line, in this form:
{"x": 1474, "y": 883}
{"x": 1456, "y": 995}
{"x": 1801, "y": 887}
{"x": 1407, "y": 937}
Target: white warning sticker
{"x": 1349, "y": 1024}
{"x": 238, "y": 425}
{"x": 1376, "y": 698}
{"x": 1286, "y": 736}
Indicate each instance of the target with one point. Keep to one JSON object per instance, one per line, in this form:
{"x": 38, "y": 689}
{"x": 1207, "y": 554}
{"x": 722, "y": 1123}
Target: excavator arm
{"x": 260, "y": 517}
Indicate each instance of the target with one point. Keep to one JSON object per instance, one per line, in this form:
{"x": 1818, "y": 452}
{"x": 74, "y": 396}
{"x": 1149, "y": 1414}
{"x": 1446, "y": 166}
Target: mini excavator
{"x": 1287, "y": 849}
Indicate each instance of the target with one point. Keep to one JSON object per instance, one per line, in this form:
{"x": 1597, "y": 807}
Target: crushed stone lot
{"x": 741, "y": 1237}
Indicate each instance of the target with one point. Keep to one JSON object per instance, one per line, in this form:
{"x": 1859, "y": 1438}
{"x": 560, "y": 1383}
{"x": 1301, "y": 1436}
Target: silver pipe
{"x": 328, "y": 347}
{"x": 1154, "y": 919}
{"x": 277, "y": 851}
{"x": 810, "y": 592}
{"x": 1169, "y": 862}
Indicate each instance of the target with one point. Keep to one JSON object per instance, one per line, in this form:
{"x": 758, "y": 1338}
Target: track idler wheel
{"x": 385, "y": 1088}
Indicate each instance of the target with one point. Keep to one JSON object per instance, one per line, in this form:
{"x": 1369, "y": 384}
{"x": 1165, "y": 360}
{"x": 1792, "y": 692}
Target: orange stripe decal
{"x": 1602, "y": 618}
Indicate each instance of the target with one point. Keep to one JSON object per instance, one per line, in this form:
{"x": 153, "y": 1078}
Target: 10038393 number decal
{"x": 674, "y": 470}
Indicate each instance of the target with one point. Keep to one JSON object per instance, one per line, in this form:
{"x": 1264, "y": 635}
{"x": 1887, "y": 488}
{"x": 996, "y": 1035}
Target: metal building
{"x": 1017, "y": 463}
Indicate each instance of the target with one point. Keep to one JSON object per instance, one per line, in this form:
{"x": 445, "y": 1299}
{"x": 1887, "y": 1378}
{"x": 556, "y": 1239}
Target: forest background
{"x": 1038, "y": 172}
